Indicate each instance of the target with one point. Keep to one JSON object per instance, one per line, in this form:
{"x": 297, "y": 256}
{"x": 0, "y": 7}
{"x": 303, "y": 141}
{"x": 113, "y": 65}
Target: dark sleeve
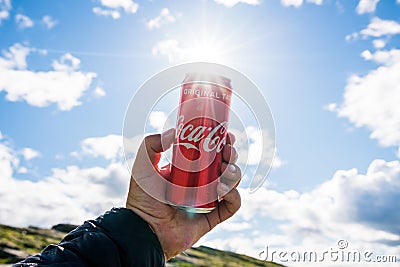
{"x": 117, "y": 238}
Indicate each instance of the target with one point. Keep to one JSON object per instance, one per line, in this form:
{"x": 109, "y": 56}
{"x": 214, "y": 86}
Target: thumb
{"x": 146, "y": 177}
{"x": 153, "y": 145}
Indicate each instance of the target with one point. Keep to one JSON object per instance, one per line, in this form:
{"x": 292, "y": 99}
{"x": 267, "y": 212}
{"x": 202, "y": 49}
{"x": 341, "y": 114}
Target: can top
{"x": 207, "y": 77}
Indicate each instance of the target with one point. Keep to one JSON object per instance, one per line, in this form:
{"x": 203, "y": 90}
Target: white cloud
{"x": 164, "y": 18}
{"x": 348, "y": 206}
{"x": 108, "y": 147}
{"x": 379, "y": 43}
{"x": 107, "y": 13}
{"x": 23, "y": 21}
{"x": 29, "y": 153}
{"x": 111, "y": 147}
{"x": 255, "y": 147}
{"x": 3, "y": 15}
{"x": 64, "y": 85}
{"x": 331, "y": 107}
{"x": 372, "y": 100}
{"x": 235, "y": 226}
{"x": 298, "y": 3}
{"x": 169, "y": 48}
{"x": 256, "y": 154}
{"x": 389, "y": 57}
{"x": 352, "y": 36}
{"x": 379, "y": 27}
{"x": 157, "y": 120}
{"x": 8, "y": 160}
{"x": 278, "y": 162}
{"x": 22, "y": 170}
{"x": 99, "y": 92}
{"x": 15, "y": 57}
{"x": 67, "y": 63}
{"x": 376, "y": 28}
{"x": 5, "y": 7}
{"x": 295, "y": 3}
{"x": 317, "y": 2}
{"x": 231, "y": 3}
{"x": 70, "y": 194}
{"x": 367, "y": 55}
{"x": 366, "y": 6}
{"x": 113, "y": 8}
{"x": 49, "y": 21}
{"x": 127, "y": 5}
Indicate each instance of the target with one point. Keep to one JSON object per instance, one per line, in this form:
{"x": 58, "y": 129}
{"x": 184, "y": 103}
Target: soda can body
{"x": 201, "y": 133}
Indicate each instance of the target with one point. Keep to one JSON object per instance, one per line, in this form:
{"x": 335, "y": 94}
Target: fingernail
{"x": 232, "y": 168}
{"x": 224, "y": 188}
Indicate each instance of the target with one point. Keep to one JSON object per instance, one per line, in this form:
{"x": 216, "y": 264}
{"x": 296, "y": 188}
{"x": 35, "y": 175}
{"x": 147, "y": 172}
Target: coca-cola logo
{"x": 214, "y": 138}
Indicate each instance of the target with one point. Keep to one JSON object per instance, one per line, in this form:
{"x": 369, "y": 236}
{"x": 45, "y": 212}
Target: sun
{"x": 206, "y": 50}
{"x": 206, "y": 42}
{"x": 207, "y": 38}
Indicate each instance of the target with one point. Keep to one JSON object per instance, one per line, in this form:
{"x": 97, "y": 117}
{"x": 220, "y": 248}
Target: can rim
{"x": 214, "y": 77}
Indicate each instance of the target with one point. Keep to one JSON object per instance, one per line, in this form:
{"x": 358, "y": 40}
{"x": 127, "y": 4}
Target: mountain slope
{"x": 18, "y": 243}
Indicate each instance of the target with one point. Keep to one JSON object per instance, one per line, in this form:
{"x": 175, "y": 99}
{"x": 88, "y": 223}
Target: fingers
{"x": 230, "y": 138}
{"x": 226, "y": 188}
{"x": 229, "y": 154}
{"x": 230, "y": 172}
{"x": 226, "y": 208}
{"x": 231, "y": 202}
{"x": 231, "y": 175}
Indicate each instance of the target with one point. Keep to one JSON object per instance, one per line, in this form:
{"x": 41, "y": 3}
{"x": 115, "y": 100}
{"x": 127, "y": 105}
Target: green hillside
{"x": 18, "y": 243}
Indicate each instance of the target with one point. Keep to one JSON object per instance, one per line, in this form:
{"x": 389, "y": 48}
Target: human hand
{"x": 176, "y": 229}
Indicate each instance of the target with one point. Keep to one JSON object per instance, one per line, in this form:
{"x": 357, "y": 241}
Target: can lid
{"x": 207, "y": 77}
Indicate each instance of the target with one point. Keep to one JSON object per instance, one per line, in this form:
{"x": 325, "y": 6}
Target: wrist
{"x": 155, "y": 228}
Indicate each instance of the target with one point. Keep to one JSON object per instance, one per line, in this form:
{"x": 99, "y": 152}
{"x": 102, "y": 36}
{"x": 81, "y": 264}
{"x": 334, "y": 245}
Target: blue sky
{"x": 330, "y": 70}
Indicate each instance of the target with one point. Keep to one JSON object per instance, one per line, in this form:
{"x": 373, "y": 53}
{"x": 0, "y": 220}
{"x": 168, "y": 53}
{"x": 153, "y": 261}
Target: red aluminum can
{"x": 201, "y": 134}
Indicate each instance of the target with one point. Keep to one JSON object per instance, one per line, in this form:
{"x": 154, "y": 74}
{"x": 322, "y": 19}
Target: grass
{"x": 28, "y": 240}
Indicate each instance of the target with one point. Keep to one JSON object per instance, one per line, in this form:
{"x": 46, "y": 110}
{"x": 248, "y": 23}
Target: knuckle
{"x": 234, "y": 155}
{"x": 234, "y": 150}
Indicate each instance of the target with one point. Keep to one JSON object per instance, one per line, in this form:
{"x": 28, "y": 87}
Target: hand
{"x": 178, "y": 230}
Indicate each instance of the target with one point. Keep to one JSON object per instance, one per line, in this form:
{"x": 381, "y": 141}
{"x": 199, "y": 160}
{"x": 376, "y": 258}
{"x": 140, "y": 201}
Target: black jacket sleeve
{"x": 117, "y": 238}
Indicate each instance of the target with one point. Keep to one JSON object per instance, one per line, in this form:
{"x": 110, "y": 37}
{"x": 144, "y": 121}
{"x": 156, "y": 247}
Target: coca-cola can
{"x": 201, "y": 133}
